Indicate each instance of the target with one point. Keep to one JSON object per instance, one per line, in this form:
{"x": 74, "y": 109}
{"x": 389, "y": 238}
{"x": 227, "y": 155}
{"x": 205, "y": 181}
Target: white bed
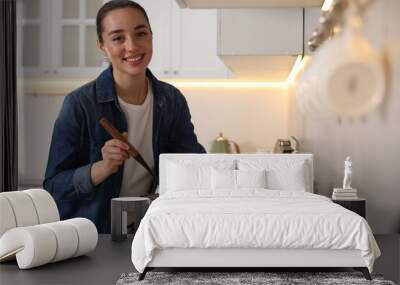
{"x": 202, "y": 220}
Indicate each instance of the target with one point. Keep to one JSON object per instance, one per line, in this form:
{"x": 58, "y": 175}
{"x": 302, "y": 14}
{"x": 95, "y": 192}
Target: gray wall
{"x": 373, "y": 142}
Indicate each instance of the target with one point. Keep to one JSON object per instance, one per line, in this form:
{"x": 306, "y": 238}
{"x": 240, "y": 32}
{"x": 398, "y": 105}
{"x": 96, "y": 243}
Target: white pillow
{"x": 293, "y": 178}
{"x": 282, "y": 174}
{"x": 223, "y": 179}
{"x": 185, "y": 177}
{"x": 236, "y": 179}
{"x": 189, "y": 174}
{"x": 251, "y": 178}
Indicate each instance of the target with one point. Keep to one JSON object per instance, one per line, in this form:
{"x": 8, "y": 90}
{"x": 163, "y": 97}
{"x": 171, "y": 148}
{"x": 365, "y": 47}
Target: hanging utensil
{"x": 353, "y": 80}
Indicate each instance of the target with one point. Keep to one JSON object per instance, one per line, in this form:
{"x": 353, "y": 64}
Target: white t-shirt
{"x": 136, "y": 180}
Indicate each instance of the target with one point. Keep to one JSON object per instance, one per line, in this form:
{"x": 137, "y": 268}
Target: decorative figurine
{"x": 347, "y": 174}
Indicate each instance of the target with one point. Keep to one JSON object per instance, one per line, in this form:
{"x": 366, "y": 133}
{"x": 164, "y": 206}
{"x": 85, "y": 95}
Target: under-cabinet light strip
{"x": 53, "y": 86}
{"x": 226, "y": 84}
{"x": 297, "y": 66}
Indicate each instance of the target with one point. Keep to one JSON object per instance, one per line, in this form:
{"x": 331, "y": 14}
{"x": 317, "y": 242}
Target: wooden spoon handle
{"x": 112, "y": 131}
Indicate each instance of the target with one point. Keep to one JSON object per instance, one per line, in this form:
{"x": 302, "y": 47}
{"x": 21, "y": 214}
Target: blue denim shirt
{"x": 78, "y": 138}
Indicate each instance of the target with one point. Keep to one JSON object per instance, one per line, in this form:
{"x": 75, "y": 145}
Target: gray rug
{"x": 268, "y": 278}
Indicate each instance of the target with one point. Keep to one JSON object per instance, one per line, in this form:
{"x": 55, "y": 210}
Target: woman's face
{"x": 127, "y": 40}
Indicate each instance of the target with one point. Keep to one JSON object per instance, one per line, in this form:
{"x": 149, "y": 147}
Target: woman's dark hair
{"x": 113, "y": 5}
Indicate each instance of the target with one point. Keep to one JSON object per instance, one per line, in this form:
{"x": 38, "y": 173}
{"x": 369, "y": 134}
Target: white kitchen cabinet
{"x": 33, "y": 43}
{"x": 74, "y": 37}
{"x": 259, "y": 44}
{"x": 184, "y": 41}
{"x": 234, "y": 4}
{"x": 158, "y": 12}
{"x": 271, "y": 31}
{"x": 194, "y": 43}
{"x": 59, "y": 39}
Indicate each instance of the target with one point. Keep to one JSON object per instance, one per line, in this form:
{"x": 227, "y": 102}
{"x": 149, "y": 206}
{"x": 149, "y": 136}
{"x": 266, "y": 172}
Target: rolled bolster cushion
{"x": 7, "y": 218}
{"x": 26, "y": 208}
{"x": 33, "y": 246}
{"x": 40, "y": 244}
{"x": 45, "y": 205}
{"x": 87, "y": 235}
{"x": 23, "y": 208}
{"x": 67, "y": 240}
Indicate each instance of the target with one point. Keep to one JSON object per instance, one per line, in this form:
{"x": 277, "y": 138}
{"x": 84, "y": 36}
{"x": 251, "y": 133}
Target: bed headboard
{"x": 234, "y": 158}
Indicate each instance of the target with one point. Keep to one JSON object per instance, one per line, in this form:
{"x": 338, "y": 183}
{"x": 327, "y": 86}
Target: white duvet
{"x": 251, "y": 218}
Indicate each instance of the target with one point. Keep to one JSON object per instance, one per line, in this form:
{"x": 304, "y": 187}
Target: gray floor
{"x": 110, "y": 260}
{"x": 389, "y": 262}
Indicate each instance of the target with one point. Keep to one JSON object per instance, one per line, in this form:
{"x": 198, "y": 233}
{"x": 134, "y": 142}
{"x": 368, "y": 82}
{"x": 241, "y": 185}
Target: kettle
{"x": 223, "y": 145}
{"x": 285, "y": 146}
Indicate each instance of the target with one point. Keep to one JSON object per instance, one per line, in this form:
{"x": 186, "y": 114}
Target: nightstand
{"x": 357, "y": 205}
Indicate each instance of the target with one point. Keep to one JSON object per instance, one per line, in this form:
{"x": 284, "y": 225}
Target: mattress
{"x": 252, "y": 219}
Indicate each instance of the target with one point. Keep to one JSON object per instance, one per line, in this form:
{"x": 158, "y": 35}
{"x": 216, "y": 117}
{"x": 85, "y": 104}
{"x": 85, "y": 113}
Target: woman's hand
{"x": 114, "y": 153}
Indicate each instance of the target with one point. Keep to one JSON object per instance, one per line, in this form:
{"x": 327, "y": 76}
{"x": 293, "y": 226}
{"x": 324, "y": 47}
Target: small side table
{"x": 357, "y": 205}
{"x": 119, "y": 215}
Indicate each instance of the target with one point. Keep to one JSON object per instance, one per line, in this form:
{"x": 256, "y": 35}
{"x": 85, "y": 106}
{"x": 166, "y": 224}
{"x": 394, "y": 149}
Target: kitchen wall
{"x": 373, "y": 142}
{"x": 253, "y": 117}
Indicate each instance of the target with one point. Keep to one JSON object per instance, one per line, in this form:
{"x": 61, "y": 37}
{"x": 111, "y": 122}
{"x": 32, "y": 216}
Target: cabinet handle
{"x": 176, "y": 72}
{"x": 166, "y": 72}
{"x": 55, "y": 71}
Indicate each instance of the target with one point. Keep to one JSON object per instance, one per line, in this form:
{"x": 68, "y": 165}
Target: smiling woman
{"x": 125, "y": 38}
{"x": 86, "y": 167}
